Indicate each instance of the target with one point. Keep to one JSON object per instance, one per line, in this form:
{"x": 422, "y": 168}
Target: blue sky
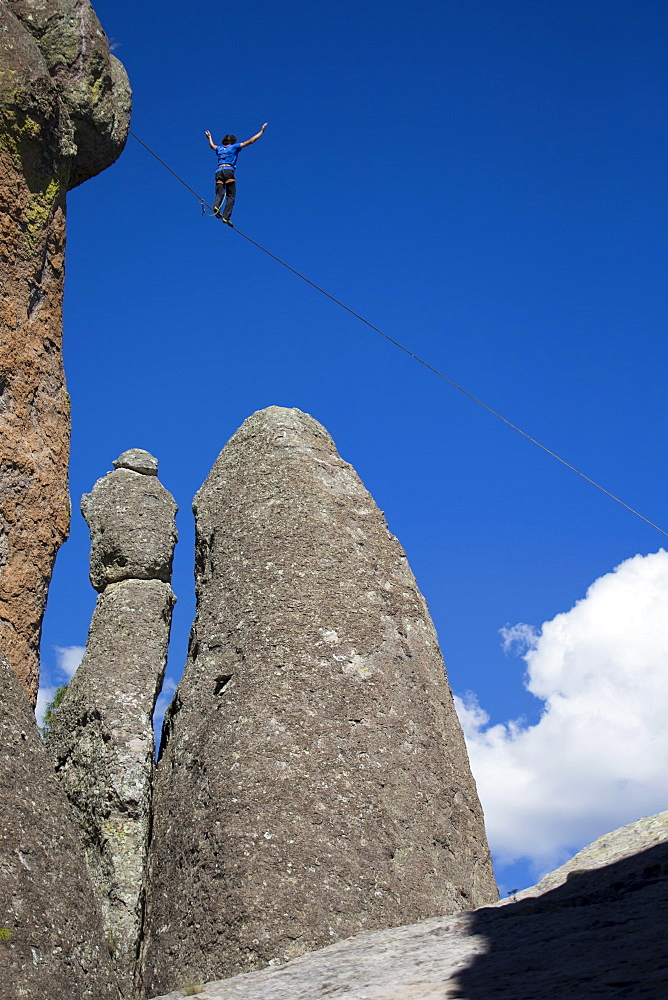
{"x": 485, "y": 181}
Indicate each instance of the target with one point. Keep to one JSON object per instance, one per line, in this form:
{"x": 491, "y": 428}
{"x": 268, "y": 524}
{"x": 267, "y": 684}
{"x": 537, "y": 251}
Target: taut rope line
{"x": 401, "y": 347}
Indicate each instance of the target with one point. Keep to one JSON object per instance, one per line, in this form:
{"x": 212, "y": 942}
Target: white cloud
{"x": 596, "y": 759}
{"x": 68, "y": 659}
{"x": 161, "y": 706}
{"x": 44, "y": 696}
{"x": 518, "y": 638}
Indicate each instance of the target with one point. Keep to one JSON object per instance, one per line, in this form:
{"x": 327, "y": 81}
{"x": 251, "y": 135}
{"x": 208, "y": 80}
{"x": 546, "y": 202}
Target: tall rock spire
{"x": 313, "y": 780}
{"x": 101, "y": 739}
{"x": 64, "y": 116}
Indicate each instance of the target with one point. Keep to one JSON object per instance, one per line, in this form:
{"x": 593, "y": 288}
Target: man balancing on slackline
{"x": 226, "y": 185}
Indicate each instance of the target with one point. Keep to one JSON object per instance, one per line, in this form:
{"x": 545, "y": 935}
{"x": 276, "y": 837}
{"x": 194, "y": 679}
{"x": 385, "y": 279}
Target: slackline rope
{"x": 401, "y": 347}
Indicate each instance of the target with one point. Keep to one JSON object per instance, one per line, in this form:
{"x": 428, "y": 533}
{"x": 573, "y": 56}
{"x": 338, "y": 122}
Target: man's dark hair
{"x": 228, "y": 140}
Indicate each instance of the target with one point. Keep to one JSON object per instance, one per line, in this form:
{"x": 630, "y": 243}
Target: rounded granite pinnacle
{"x": 313, "y": 780}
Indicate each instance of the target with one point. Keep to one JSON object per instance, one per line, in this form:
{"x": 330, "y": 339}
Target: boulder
{"x": 131, "y": 519}
{"x": 313, "y": 779}
{"x": 137, "y": 460}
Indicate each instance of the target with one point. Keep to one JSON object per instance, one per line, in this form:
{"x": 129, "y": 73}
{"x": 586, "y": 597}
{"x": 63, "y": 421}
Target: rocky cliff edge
{"x": 64, "y": 117}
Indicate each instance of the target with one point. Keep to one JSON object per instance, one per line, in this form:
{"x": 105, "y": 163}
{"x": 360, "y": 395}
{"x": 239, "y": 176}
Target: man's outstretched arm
{"x": 255, "y": 137}
{"x": 211, "y": 142}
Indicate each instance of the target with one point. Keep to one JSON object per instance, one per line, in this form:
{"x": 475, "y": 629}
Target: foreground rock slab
{"x": 313, "y": 780}
{"x": 599, "y": 934}
{"x": 52, "y": 944}
{"x": 101, "y": 738}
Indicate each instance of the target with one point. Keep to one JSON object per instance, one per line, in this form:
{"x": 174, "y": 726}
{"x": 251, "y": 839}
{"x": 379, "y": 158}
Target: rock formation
{"x": 131, "y": 519}
{"x": 313, "y": 779}
{"x": 51, "y": 938}
{"x": 64, "y": 116}
{"x": 625, "y": 842}
{"x": 101, "y": 739}
{"x": 596, "y": 929}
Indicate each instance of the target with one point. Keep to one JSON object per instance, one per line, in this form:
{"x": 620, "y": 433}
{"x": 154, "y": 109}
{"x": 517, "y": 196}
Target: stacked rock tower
{"x": 101, "y": 739}
{"x": 313, "y": 780}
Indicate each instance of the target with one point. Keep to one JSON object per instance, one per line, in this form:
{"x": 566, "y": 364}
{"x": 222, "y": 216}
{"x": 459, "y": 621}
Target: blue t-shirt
{"x": 227, "y": 155}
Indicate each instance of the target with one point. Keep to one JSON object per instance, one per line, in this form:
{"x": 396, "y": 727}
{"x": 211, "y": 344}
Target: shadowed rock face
{"x": 592, "y": 931}
{"x": 51, "y": 938}
{"x": 64, "y": 115}
{"x": 101, "y": 739}
{"x": 313, "y": 780}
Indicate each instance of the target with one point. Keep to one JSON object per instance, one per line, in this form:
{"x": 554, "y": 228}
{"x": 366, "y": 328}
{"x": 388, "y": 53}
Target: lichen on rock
{"x": 64, "y": 117}
{"x": 91, "y": 82}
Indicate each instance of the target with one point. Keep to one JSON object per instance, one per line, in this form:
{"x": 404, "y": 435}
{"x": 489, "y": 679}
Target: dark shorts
{"x": 224, "y": 174}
